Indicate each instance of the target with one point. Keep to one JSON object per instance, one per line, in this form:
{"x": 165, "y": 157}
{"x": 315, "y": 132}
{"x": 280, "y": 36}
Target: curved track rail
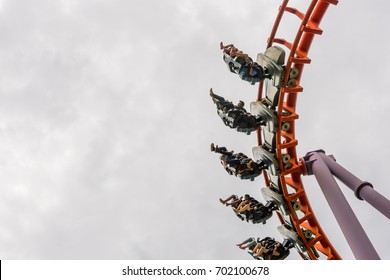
{"x": 301, "y": 220}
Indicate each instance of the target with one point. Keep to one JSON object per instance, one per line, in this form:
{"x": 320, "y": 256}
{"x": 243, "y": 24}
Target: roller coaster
{"x": 272, "y": 117}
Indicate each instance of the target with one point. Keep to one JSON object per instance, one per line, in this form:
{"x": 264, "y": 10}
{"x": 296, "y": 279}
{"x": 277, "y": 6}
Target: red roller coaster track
{"x": 302, "y": 220}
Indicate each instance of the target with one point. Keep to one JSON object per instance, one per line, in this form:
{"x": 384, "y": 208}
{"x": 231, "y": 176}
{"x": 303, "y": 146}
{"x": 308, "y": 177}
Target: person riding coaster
{"x": 238, "y": 164}
{"x": 267, "y": 248}
{"x": 249, "y": 209}
{"x": 242, "y": 65}
{"x": 235, "y": 116}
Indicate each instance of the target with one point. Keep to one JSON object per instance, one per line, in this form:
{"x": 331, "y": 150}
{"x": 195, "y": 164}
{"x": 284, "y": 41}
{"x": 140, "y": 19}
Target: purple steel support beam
{"x": 363, "y": 190}
{"x": 354, "y": 233}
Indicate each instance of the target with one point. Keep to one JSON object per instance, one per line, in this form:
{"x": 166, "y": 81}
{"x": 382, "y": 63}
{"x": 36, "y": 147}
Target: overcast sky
{"x": 106, "y": 123}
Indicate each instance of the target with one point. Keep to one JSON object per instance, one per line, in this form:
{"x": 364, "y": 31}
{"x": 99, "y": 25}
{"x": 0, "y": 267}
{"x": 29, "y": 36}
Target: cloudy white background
{"x": 106, "y": 122}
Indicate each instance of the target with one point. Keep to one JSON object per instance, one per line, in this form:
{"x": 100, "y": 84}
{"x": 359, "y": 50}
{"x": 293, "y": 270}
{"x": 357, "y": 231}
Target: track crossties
{"x": 302, "y": 219}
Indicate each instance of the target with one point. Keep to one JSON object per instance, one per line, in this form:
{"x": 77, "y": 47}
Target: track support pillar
{"x": 316, "y": 164}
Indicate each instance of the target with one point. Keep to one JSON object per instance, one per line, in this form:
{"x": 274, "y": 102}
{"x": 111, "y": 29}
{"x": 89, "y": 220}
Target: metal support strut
{"x": 324, "y": 168}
